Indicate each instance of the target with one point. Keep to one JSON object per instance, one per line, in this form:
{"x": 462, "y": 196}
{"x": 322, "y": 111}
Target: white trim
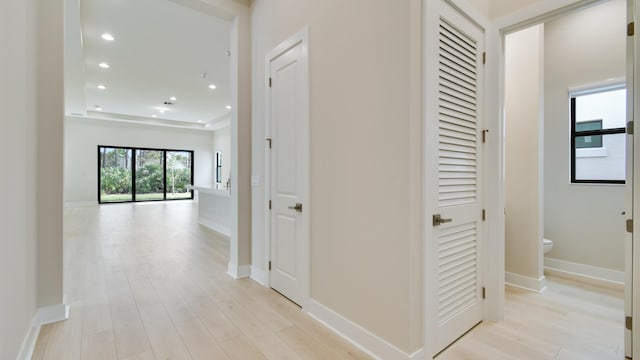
{"x": 80, "y": 203}
{"x": 51, "y": 314}
{"x": 238, "y": 272}
{"x": 45, "y": 315}
{"x": 525, "y": 282}
{"x": 585, "y": 273}
{"x": 220, "y": 229}
{"x": 301, "y": 37}
{"x": 539, "y": 12}
{"x": 633, "y": 307}
{"x": 357, "y": 335}
{"x": 29, "y": 343}
{"x": 260, "y": 276}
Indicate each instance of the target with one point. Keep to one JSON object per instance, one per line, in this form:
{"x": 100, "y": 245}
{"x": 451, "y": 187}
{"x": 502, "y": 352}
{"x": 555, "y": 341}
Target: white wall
{"x": 222, "y": 144}
{"x": 82, "y": 137}
{"x": 18, "y": 221}
{"x": 365, "y": 121}
{"x": 523, "y": 151}
{"x": 584, "y": 221}
{"x": 31, "y": 138}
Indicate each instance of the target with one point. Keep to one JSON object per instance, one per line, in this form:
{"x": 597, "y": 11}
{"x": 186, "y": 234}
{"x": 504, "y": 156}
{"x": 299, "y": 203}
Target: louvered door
{"x": 454, "y": 177}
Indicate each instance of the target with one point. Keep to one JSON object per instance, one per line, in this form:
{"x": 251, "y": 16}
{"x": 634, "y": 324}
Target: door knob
{"x": 297, "y": 207}
{"x": 439, "y": 220}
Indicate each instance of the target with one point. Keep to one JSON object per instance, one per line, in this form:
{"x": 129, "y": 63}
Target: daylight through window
{"x": 134, "y": 174}
{"x": 598, "y": 148}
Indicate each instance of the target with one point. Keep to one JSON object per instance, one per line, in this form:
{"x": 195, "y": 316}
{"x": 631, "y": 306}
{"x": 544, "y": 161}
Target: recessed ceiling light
{"x": 107, "y": 36}
{"x": 102, "y": 87}
{"x": 212, "y": 87}
{"x": 154, "y": 116}
{"x": 104, "y": 65}
{"x": 200, "y": 121}
{"x": 173, "y": 98}
{"x": 98, "y": 108}
{"x": 228, "y": 107}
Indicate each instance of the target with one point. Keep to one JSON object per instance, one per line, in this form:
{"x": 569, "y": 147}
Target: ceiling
{"x": 160, "y": 50}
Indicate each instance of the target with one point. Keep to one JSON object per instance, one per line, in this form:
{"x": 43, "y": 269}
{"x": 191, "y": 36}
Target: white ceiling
{"x": 161, "y": 49}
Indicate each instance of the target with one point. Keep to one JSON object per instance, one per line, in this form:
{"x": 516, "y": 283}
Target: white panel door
{"x": 629, "y": 206}
{"x": 287, "y": 164}
{"x": 453, "y": 174}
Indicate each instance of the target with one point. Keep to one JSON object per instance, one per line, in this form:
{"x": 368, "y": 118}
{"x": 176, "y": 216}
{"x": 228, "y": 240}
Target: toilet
{"x": 547, "y": 245}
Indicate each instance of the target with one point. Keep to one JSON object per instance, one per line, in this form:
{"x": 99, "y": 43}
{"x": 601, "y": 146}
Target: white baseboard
{"x": 360, "y": 337}
{"x": 525, "y": 282}
{"x": 224, "y": 230}
{"x": 45, "y": 315}
{"x": 80, "y": 203}
{"x": 238, "y": 272}
{"x": 585, "y": 273}
{"x": 259, "y": 275}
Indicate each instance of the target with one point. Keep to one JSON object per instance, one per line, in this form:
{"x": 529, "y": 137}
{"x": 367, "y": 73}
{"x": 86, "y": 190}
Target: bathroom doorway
{"x": 555, "y": 152}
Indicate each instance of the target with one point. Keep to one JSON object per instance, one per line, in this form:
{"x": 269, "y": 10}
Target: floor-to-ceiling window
{"x": 128, "y": 174}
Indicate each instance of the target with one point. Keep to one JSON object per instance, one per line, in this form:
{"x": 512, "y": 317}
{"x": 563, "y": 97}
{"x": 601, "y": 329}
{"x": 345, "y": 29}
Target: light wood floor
{"x": 569, "y": 321}
{"x": 145, "y": 281}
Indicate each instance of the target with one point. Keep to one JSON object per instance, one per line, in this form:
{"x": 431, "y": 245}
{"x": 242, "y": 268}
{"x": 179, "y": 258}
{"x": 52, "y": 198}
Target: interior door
{"x": 287, "y": 171}
{"x": 453, "y": 138}
{"x": 629, "y": 246}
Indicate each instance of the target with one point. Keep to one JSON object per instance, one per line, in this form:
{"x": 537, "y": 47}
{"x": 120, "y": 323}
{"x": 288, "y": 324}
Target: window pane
{"x": 178, "y": 174}
{"x": 606, "y": 162}
{"x": 149, "y": 175}
{"x": 610, "y": 107}
{"x": 589, "y": 141}
{"x": 115, "y": 174}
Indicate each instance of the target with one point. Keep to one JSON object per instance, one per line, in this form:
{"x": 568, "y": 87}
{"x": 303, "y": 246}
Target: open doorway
{"x": 155, "y": 76}
{"x": 565, "y": 194}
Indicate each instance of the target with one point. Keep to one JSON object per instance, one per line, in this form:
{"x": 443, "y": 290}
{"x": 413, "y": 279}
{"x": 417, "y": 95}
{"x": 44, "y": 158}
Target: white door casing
{"x": 287, "y": 149}
{"x": 628, "y": 288}
{"x": 453, "y": 186}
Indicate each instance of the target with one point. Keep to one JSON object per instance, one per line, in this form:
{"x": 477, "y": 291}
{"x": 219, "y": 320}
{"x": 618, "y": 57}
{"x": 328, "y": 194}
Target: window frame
{"x": 575, "y": 134}
{"x": 218, "y": 167}
{"x": 132, "y": 165}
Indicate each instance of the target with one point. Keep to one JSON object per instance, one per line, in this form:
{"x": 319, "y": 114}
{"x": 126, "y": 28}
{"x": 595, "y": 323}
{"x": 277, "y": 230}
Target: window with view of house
{"x": 127, "y": 174}
{"x": 598, "y": 140}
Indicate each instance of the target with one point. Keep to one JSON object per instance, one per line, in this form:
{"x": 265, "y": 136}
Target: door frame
{"x": 301, "y": 37}
{"x": 499, "y": 28}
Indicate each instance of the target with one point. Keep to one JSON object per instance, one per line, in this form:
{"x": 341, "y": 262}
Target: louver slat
{"x": 457, "y": 121}
{"x": 457, "y": 256}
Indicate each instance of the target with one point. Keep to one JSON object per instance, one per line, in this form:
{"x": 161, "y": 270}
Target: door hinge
{"x": 269, "y": 265}
{"x": 484, "y": 136}
{"x": 484, "y": 58}
{"x": 630, "y": 128}
{"x": 269, "y": 204}
{"x": 630, "y": 226}
{"x": 484, "y": 214}
{"x": 484, "y": 293}
{"x": 631, "y": 28}
{"x": 270, "y": 82}
{"x": 268, "y": 142}
{"x": 628, "y": 323}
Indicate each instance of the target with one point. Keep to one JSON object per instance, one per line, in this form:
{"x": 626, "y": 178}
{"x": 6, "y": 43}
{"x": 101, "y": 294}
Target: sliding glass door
{"x": 115, "y": 175}
{"x": 179, "y": 174}
{"x": 137, "y": 174}
{"x": 149, "y": 175}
